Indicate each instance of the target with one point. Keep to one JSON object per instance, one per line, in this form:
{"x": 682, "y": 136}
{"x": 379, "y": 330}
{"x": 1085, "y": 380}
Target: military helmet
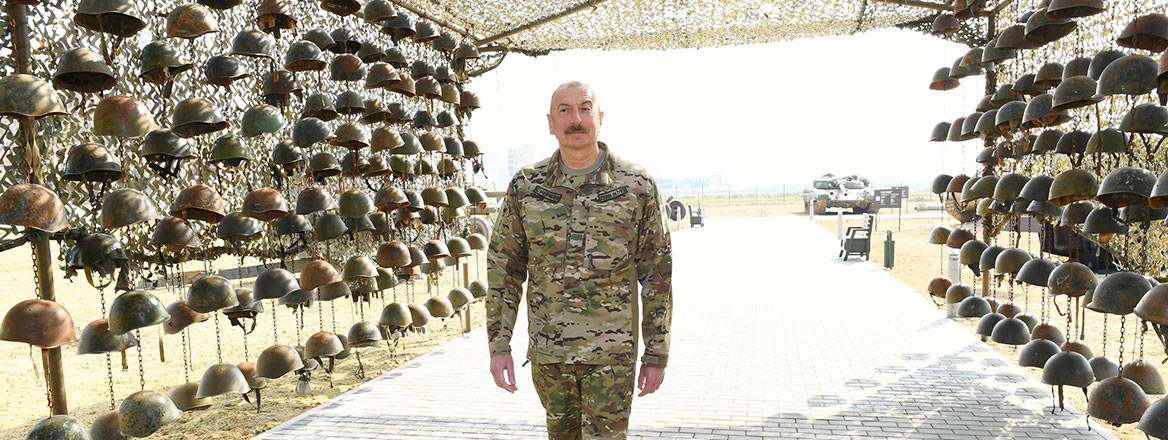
{"x": 318, "y": 273}
{"x": 145, "y": 412}
{"x": 982, "y": 187}
{"x": 162, "y": 145}
{"x": 272, "y": 16}
{"x": 209, "y": 293}
{"x": 423, "y": 119}
{"x": 971, "y": 252}
{"x": 1076, "y": 213}
{"x": 398, "y": 114}
{"x": 1003, "y": 95}
{"x": 1101, "y": 60}
{"x": 264, "y": 204}
{"x": 1107, "y": 140}
{"x": 985, "y": 326}
{"x": 91, "y": 163}
{"x": 355, "y": 203}
{"x": 159, "y": 62}
{"x": 1049, "y": 75}
{"x": 288, "y": 157}
{"x": 229, "y": 150}
{"x": 1068, "y": 368}
{"x": 297, "y": 298}
{"x": 181, "y": 316}
{"x": 320, "y": 38}
{"x": 308, "y": 131}
{"x": 276, "y": 361}
{"x": 135, "y": 309}
{"x": 378, "y": 11}
{"x": 45, "y": 324}
{"x": 346, "y": 67}
{"x": 1153, "y": 306}
{"x": 323, "y": 165}
{"x": 125, "y": 207}
{"x": 375, "y": 112}
{"x": 274, "y": 283}
{"x": 222, "y": 70}
{"x": 184, "y": 397}
{"x": 468, "y": 100}
{"x": 319, "y": 105}
{"x": 458, "y": 247}
{"x": 444, "y": 118}
{"x": 1065, "y": 9}
{"x": 404, "y": 86}
{"x": 196, "y": 116}
{"x": 439, "y": 307}
{"x": 396, "y": 315}
{"x": 329, "y": 226}
{"x": 944, "y": 24}
{"x": 82, "y": 70}
{"x": 1074, "y": 92}
{"x": 293, "y": 224}
{"x": 988, "y": 258}
{"x": 304, "y": 56}
{"x": 198, "y": 202}
{"x": 1039, "y": 114}
{"x": 1014, "y": 37}
{"x": 984, "y": 127}
{"x": 238, "y": 227}
{"x": 345, "y": 41}
{"x": 1024, "y": 85}
{"x": 393, "y": 254}
{"x": 1010, "y": 116}
{"x": 1129, "y": 75}
{"x": 385, "y": 278}
{"x": 1071, "y": 278}
{"x": 389, "y": 198}
{"x": 1145, "y": 118}
{"x": 466, "y": 51}
{"x": 384, "y": 139}
{"x": 175, "y": 234}
{"x": 381, "y": 76}
{"x": 364, "y": 334}
{"x": 940, "y": 132}
{"x": 995, "y": 54}
{"x": 957, "y": 293}
{"x": 1073, "y": 185}
{"x": 58, "y": 427}
{"x": 351, "y": 136}
{"x": 938, "y": 286}
{"x": 1073, "y": 142}
{"x": 370, "y": 53}
{"x": 1117, "y": 400}
{"x": 1144, "y": 375}
{"x": 1037, "y": 189}
{"x": 1047, "y": 141}
{"x": 323, "y": 344}
{"x": 1126, "y": 186}
{"x": 253, "y": 43}
{"x": 1010, "y": 261}
{"x": 1101, "y": 220}
{"x": 1036, "y": 271}
{"x": 942, "y": 80}
{"x": 117, "y": 115}
{"x": 1078, "y": 66}
{"x": 350, "y": 102}
{"x": 410, "y": 144}
{"x": 222, "y": 379}
{"x": 314, "y": 199}
{"x": 260, "y": 119}
{"x": 115, "y": 17}
{"x": 1119, "y": 293}
{"x": 359, "y": 267}
{"x": 1041, "y": 29}
{"x": 1010, "y": 331}
{"x": 939, "y": 235}
{"x": 958, "y": 237}
{"x": 1148, "y": 32}
{"x": 1009, "y": 186}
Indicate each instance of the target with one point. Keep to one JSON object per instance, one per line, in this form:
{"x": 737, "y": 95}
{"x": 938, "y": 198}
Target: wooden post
{"x": 54, "y": 374}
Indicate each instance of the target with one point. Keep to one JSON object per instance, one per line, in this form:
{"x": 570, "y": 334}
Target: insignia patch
{"x": 605, "y": 196}
{"x": 546, "y": 194}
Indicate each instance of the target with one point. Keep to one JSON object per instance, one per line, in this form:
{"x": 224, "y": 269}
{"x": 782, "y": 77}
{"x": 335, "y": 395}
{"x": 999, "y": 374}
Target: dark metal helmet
{"x": 939, "y": 235}
{"x": 253, "y": 43}
{"x": 1072, "y": 278}
{"x": 1049, "y": 75}
{"x": 1010, "y": 261}
{"x": 272, "y": 16}
{"x": 288, "y": 157}
{"x": 1108, "y": 140}
{"x": 1068, "y": 368}
{"x": 115, "y": 115}
{"x": 1117, "y": 400}
{"x": 985, "y": 326}
{"x": 1119, "y": 293}
{"x": 444, "y": 118}
{"x": 196, "y": 116}
{"x": 945, "y": 24}
{"x": 236, "y": 227}
{"x": 115, "y": 17}
{"x": 346, "y": 67}
{"x": 410, "y": 144}
{"x": 1037, "y": 189}
{"x": 1009, "y": 186}
{"x": 45, "y": 324}
{"x": 1145, "y": 118}
{"x": 1065, "y": 9}
{"x": 276, "y": 361}
{"x": 1144, "y": 375}
{"x": 1047, "y": 141}
{"x": 1074, "y": 92}
{"x": 378, "y": 11}
{"x": 274, "y": 283}
{"x": 468, "y": 100}
{"x": 304, "y": 56}
{"x": 222, "y": 70}
{"x": 984, "y": 127}
{"x": 125, "y": 207}
{"x": 364, "y": 334}
{"x": 293, "y": 224}
{"x": 982, "y": 187}
{"x": 279, "y": 85}
{"x": 83, "y": 70}
{"x": 989, "y": 257}
{"x": 1037, "y": 352}
{"x": 428, "y": 87}
{"x": 329, "y": 226}
{"x": 942, "y": 81}
{"x": 198, "y": 202}
{"x": 466, "y": 51}
{"x": 229, "y": 150}
{"x": 134, "y": 310}
{"x": 145, "y": 412}
{"x": 222, "y": 379}
{"x": 1148, "y": 32}
{"x": 159, "y": 62}
{"x": 355, "y": 203}
{"x": 320, "y": 38}
{"x": 1010, "y": 116}
{"x": 308, "y": 131}
{"x": 350, "y": 102}
{"x": 396, "y": 315}
{"x": 91, "y": 163}
{"x": 1153, "y": 422}
{"x": 1153, "y": 307}
{"x": 370, "y": 53}
{"x": 175, "y": 234}
{"x": 1041, "y": 29}
{"x": 1013, "y": 37}
{"x": 1101, "y": 60}
{"x": 1010, "y": 331}
{"x": 1078, "y": 66}
{"x": 1025, "y": 86}
{"x": 971, "y": 252}
{"x": 995, "y": 54}
{"x": 351, "y": 136}
{"x": 264, "y": 204}
{"x": 381, "y": 76}
{"x": 1036, "y": 272}
{"x": 209, "y": 293}
{"x": 1004, "y": 95}
{"x": 389, "y": 198}
{"x": 1073, "y": 185}
{"x": 1126, "y": 186}
{"x": 345, "y": 41}
{"x": 319, "y": 105}
{"x": 1130, "y": 75}
{"x": 184, "y": 398}
{"x": 1076, "y": 213}
{"x": 359, "y": 267}
{"x": 958, "y": 237}
{"x": 1039, "y": 114}
{"x": 1073, "y": 143}
{"x": 405, "y": 86}
{"x": 375, "y": 112}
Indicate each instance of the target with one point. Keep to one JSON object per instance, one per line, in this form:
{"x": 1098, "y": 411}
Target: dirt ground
{"x": 917, "y": 262}
{"x": 229, "y": 417}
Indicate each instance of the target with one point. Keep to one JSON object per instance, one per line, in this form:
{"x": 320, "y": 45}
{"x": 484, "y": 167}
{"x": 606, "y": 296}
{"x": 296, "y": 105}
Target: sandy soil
{"x": 917, "y": 262}
{"x": 229, "y": 417}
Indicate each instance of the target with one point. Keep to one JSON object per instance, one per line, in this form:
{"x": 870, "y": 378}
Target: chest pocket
{"x": 545, "y": 223}
{"x": 612, "y": 228}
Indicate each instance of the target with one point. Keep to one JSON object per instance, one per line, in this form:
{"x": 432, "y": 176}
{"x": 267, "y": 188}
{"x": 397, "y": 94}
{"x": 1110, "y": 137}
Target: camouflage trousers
{"x": 585, "y": 401}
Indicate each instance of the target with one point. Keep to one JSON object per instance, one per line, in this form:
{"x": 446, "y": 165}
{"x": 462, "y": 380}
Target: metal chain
{"x": 320, "y": 315}
{"x": 332, "y": 315}
{"x": 109, "y": 375}
{"x": 218, "y": 342}
{"x": 186, "y": 358}
{"x": 1122, "y": 330}
{"x": 245, "y": 351}
{"x": 1045, "y": 306}
{"x": 1070, "y": 332}
{"x": 275, "y": 332}
{"x": 141, "y": 368}
{"x": 1143, "y": 328}
{"x": 36, "y": 270}
{"x": 1105, "y": 334}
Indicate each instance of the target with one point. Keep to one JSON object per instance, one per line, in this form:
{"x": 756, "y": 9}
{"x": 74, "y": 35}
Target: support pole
{"x": 54, "y": 374}
{"x": 991, "y": 86}
{"x": 540, "y": 22}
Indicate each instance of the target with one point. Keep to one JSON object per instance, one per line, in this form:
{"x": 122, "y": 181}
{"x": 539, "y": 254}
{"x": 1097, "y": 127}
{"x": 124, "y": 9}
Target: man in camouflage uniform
{"x": 583, "y": 228}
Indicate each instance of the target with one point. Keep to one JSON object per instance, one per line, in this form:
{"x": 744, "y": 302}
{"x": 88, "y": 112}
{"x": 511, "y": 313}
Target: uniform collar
{"x": 602, "y": 176}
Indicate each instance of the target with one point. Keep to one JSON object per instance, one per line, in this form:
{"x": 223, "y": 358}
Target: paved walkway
{"x": 773, "y": 338}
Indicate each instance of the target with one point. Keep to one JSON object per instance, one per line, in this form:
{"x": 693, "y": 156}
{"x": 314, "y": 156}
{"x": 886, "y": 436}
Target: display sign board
{"x": 888, "y": 198}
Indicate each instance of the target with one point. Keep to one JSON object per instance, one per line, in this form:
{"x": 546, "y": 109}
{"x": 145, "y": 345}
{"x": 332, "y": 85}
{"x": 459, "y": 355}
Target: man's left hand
{"x": 649, "y": 379}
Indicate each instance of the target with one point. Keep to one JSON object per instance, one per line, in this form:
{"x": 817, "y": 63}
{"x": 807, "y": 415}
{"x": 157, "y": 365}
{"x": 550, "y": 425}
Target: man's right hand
{"x": 503, "y": 370}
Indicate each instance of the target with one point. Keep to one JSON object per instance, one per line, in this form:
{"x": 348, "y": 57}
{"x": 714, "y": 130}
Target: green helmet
{"x": 229, "y": 150}
{"x": 83, "y": 70}
{"x": 159, "y": 62}
{"x": 115, "y": 17}
{"x": 304, "y": 56}
{"x": 1130, "y": 75}
{"x": 261, "y": 119}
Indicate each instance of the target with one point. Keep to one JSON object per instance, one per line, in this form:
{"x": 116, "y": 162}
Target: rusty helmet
{"x": 1076, "y": 213}
{"x": 1013, "y": 37}
{"x": 59, "y": 426}
{"x": 175, "y": 235}
{"x": 83, "y": 70}
{"x": 164, "y": 146}
{"x": 350, "y": 102}
{"x": 119, "y": 115}
{"x": 1117, "y": 400}
{"x": 318, "y": 273}
{"x": 345, "y": 41}
{"x": 190, "y": 21}
{"x": 222, "y": 70}
{"x": 272, "y": 16}
{"x": 364, "y": 334}
{"x": 396, "y": 315}
{"x": 393, "y": 254}
{"x": 1041, "y": 29}
{"x": 222, "y": 379}
{"x": 181, "y": 316}
{"x": 1073, "y": 142}
{"x": 198, "y": 202}
{"x": 276, "y": 361}
{"x": 1072, "y": 279}
{"x": 942, "y": 81}
{"x": 374, "y": 112}
{"x": 1037, "y": 352}
{"x": 359, "y": 267}
{"x": 196, "y": 116}
{"x": 1128, "y": 75}
{"x": 253, "y": 43}
{"x": 1118, "y": 293}
{"x": 1049, "y": 75}
{"x": 404, "y": 86}
{"x": 279, "y": 85}
{"x": 45, "y": 324}
{"x": 1009, "y": 116}
{"x": 1066, "y": 9}
{"x": 385, "y": 139}
{"x": 1010, "y": 261}
{"x": 350, "y": 135}
{"x": 1003, "y": 95}
{"x": 1025, "y": 86}
{"x": 1039, "y": 114}
{"x": 1074, "y": 92}
{"x": 378, "y": 11}
{"x": 1145, "y": 118}
{"x": 1047, "y": 141}
{"x": 159, "y": 62}
{"x": 370, "y": 53}
{"x": 135, "y": 309}
{"x": 323, "y": 344}
{"x": 264, "y": 204}
{"x": 1148, "y": 32}
{"x": 314, "y": 199}
{"x": 346, "y": 67}
{"x": 1144, "y": 375}
{"x": 1073, "y": 185}
{"x": 938, "y": 286}
{"x": 304, "y": 56}
{"x": 237, "y": 227}
{"x": 381, "y": 76}
{"x": 1126, "y": 186}
{"x": 91, "y": 163}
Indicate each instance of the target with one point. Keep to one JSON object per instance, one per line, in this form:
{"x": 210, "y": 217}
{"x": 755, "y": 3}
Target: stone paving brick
{"x": 798, "y": 346}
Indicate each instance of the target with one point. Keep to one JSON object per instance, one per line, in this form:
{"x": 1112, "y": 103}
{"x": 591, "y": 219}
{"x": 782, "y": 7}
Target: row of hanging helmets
{"x": 375, "y": 158}
{"x": 1053, "y": 160}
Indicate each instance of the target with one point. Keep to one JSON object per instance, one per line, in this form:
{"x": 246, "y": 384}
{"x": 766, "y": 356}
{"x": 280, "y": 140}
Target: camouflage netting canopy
{"x": 537, "y": 27}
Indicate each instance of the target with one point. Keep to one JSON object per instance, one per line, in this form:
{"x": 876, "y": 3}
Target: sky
{"x": 766, "y": 115}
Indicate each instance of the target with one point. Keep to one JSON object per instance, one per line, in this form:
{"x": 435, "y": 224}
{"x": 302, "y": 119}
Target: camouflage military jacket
{"x": 582, "y": 243}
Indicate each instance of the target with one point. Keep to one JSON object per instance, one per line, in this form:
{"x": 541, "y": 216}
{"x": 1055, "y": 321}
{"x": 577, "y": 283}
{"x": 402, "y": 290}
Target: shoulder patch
{"x": 611, "y": 194}
{"x": 546, "y": 194}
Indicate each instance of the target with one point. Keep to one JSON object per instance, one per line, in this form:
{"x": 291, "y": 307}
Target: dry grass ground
{"x": 229, "y": 418}
{"x": 917, "y": 262}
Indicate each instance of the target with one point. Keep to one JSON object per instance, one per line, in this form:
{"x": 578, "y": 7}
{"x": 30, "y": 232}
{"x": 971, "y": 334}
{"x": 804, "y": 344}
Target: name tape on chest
{"x": 546, "y": 195}
{"x": 611, "y": 194}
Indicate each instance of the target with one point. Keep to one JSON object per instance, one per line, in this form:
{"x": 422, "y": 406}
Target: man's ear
{"x": 551, "y": 128}
{"x": 601, "y": 120}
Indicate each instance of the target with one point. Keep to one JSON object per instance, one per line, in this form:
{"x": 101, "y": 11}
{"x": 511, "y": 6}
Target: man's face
{"x": 574, "y": 119}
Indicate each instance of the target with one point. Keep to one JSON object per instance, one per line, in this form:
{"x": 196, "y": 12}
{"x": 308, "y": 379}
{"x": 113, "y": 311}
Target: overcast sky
{"x": 770, "y": 114}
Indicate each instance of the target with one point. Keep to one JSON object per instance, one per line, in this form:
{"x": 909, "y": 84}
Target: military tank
{"x": 829, "y": 191}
